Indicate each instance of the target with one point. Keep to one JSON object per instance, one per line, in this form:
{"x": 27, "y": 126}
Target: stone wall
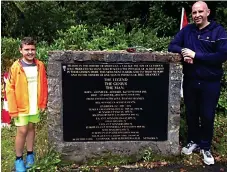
{"x": 81, "y": 151}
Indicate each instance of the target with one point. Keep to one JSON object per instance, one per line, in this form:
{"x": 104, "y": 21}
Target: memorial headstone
{"x": 116, "y": 102}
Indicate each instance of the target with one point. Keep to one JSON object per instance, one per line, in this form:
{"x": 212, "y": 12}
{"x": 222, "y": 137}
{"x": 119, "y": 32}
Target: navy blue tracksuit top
{"x": 210, "y": 47}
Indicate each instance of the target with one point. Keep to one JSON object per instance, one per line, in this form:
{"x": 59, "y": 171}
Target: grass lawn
{"x": 48, "y": 160}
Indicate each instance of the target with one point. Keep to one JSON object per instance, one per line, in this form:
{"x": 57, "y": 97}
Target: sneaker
{"x": 187, "y": 150}
{"x": 19, "y": 165}
{"x": 30, "y": 160}
{"x": 207, "y": 157}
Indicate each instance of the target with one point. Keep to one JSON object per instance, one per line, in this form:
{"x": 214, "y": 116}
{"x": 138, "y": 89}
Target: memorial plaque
{"x": 115, "y": 101}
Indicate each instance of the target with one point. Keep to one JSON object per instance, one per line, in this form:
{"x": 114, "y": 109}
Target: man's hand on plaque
{"x": 186, "y": 52}
{"x": 188, "y": 60}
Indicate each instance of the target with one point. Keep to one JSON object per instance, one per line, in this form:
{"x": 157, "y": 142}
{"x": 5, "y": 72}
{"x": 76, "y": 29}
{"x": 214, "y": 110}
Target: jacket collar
{"x": 208, "y": 28}
{"x": 20, "y": 64}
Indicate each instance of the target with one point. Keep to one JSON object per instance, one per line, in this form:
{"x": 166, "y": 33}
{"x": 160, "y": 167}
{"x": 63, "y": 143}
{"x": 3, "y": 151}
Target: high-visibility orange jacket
{"x": 17, "y": 89}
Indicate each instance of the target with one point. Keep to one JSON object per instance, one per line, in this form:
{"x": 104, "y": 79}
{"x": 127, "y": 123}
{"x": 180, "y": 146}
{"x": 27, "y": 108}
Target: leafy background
{"x": 76, "y": 25}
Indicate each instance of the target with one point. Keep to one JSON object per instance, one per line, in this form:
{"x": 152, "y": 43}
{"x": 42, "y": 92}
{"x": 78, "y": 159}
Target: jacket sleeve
{"x": 176, "y": 44}
{"x": 220, "y": 55}
{"x": 10, "y": 93}
{"x": 44, "y": 88}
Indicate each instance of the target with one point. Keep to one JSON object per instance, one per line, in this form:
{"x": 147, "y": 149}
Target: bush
{"x": 222, "y": 104}
{"x": 163, "y": 24}
{"x": 75, "y": 38}
{"x": 83, "y": 37}
{"x": 10, "y": 52}
{"x": 108, "y": 38}
{"x": 40, "y": 20}
{"x": 220, "y": 135}
{"x": 42, "y": 49}
{"x": 221, "y": 14}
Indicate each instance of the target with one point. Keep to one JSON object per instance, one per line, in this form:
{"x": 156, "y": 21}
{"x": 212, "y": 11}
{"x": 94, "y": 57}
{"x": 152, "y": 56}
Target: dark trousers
{"x": 200, "y": 98}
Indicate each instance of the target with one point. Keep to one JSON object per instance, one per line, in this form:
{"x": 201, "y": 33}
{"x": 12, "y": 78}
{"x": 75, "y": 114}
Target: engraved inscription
{"x": 115, "y": 102}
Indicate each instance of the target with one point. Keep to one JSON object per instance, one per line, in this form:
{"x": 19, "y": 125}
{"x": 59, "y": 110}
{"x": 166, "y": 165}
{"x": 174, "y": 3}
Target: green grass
{"x": 8, "y": 153}
{"x": 46, "y": 158}
{"x": 49, "y": 160}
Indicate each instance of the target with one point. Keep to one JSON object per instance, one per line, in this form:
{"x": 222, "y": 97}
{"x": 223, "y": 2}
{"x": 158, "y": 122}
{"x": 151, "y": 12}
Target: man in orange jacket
{"x": 26, "y": 91}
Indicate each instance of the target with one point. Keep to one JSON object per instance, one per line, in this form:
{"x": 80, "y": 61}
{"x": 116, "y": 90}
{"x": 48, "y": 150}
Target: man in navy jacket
{"x": 203, "y": 46}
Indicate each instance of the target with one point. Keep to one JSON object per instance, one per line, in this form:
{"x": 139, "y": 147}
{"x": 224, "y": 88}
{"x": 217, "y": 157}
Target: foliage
{"x": 40, "y": 20}
{"x": 10, "y": 17}
{"x": 148, "y": 155}
{"x": 221, "y": 14}
{"x": 47, "y": 163}
{"x": 9, "y": 52}
{"x": 108, "y": 38}
{"x": 104, "y": 13}
{"x": 42, "y": 49}
{"x": 167, "y": 26}
{"x": 222, "y": 103}
{"x": 74, "y": 38}
{"x": 43, "y": 19}
{"x": 83, "y": 37}
{"x": 7, "y": 148}
{"x": 220, "y": 135}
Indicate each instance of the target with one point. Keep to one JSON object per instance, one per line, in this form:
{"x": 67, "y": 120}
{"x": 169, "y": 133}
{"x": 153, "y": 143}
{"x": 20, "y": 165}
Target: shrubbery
{"x": 9, "y": 52}
{"x": 99, "y": 37}
{"x": 82, "y": 37}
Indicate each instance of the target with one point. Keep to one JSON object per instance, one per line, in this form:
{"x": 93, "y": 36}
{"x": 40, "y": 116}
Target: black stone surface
{"x": 141, "y": 117}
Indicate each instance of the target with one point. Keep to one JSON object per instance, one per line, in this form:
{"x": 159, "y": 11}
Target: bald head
{"x": 200, "y": 13}
{"x": 200, "y": 4}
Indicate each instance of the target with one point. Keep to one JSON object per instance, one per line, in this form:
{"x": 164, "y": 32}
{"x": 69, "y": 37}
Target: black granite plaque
{"x": 115, "y": 101}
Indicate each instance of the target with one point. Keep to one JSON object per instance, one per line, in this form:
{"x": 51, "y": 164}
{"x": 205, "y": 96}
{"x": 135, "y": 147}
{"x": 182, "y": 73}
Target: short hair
{"x": 27, "y": 41}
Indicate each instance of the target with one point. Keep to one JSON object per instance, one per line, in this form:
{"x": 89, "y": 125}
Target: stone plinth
{"x": 81, "y": 151}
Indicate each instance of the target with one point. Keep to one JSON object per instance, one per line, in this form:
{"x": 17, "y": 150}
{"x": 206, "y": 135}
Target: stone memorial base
{"x": 67, "y": 136}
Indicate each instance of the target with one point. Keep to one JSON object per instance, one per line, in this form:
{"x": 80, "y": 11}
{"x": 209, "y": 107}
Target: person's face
{"x": 28, "y": 52}
{"x": 200, "y": 14}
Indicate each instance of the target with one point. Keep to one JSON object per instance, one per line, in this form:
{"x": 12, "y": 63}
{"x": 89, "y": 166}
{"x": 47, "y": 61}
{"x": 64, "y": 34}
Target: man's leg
{"x": 209, "y": 100}
{"x": 210, "y": 96}
{"x": 191, "y": 95}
